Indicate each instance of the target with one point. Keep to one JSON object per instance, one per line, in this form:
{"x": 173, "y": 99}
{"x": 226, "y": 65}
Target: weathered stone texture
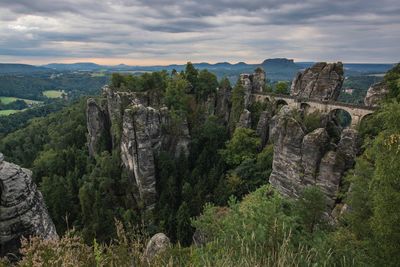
{"x": 375, "y": 94}
{"x": 23, "y": 212}
{"x": 322, "y": 81}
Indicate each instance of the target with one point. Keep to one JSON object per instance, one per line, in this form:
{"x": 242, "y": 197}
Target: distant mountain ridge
{"x": 276, "y": 68}
{"x": 12, "y": 68}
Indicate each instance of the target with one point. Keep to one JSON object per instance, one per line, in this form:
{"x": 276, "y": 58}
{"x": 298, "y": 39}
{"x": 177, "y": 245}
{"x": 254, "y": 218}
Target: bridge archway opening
{"x": 280, "y": 103}
{"x": 305, "y": 108}
{"x": 365, "y": 120}
{"x": 341, "y": 117}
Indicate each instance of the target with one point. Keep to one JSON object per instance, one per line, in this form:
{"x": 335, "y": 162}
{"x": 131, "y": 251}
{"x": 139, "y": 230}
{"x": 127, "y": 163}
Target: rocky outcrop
{"x": 98, "y": 127}
{"x": 322, "y": 81}
{"x": 302, "y": 159}
{"x": 375, "y": 94}
{"x": 252, "y": 83}
{"x": 141, "y": 137}
{"x": 245, "y": 81}
{"x": 262, "y": 129}
{"x": 244, "y": 120}
{"x": 22, "y": 208}
{"x": 223, "y": 105}
{"x": 258, "y": 80}
{"x": 156, "y": 245}
{"x": 313, "y": 148}
{"x": 140, "y": 131}
{"x": 287, "y": 135}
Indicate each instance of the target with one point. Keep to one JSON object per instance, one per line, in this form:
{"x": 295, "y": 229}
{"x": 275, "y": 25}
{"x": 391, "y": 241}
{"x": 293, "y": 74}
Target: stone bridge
{"x": 357, "y": 112}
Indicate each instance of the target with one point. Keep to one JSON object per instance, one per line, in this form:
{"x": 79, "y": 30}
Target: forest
{"x": 220, "y": 189}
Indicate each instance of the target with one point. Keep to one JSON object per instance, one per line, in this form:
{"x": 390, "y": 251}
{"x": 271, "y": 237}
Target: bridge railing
{"x": 325, "y": 102}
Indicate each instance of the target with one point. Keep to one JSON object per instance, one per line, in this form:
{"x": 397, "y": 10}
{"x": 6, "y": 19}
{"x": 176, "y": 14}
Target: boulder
{"x": 156, "y": 245}
{"x": 23, "y": 212}
{"x": 322, "y": 81}
{"x": 375, "y": 94}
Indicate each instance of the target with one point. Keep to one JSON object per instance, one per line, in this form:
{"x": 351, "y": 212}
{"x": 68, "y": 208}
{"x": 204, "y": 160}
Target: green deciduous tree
{"x": 281, "y": 88}
{"x": 243, "y": 146}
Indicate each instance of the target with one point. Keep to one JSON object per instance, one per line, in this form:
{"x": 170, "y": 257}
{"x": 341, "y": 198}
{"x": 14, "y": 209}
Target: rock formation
{"x": 252, "y": 83}
{"x": 244, "y": 120}
{"x": 223, "y": 105}
{"x": 263, "y": 127}
{"x": 141, "y": 137}
{"x": 22, "y": 208}
{"x": 156, "y": 245}
{"x": 302, "y": 159}
{"x": 322, "y": 81}
{"x": 376, "y": 93}
{"x": 98, "y": 127}
{"x": 140, "y": 131}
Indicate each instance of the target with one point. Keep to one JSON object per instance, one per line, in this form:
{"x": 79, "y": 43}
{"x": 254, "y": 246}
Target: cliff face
{"x": 140, "y": 131}
{"x": 322, "y": 81}
{"x": 376, "y": 93}
{"x": 252, "y": 83}
{"x": 98, "y": 127}
{"x": 302, "y": 159}
{"x": 317, "y": 158}
{"x": 22, "y": 208}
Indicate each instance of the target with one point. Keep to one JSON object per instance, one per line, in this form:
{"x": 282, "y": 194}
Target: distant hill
{"x": 81, "y": 66}
{"x": 276, "y": 68}
{"x": 10, "y": 68}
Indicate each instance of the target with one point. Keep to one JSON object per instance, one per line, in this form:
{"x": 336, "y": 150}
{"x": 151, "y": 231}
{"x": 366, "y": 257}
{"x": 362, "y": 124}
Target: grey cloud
{"x": 223, "y": 30}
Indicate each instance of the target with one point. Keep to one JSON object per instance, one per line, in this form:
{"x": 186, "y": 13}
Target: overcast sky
{"x": 145, "y": 32}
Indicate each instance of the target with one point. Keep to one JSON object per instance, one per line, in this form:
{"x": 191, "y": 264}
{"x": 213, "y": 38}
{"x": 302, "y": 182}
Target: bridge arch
{"x": 342, "y": 117}
{"x": 305, "y": 107}
{"x": 364, "y": 119}
{"x": 279, "y": 103}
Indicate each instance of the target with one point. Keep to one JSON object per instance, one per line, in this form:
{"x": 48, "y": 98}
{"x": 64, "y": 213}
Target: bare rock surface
{"x": 302, "y": 159}
{"x": 141, "y": 136}
{"x": 262, "y": 129}
{"x": 223, "y": 104}
{"x": 252, "y": 83}
{"x": 156, "y": 245}
{"x": 375, "y": 94}
{"x": 97, "y": 125}
{"x": 322, "y": 81}
{"x": 244, "y": 120}
{"x": 126, "y": 120}
{"x": 23, "y": 212}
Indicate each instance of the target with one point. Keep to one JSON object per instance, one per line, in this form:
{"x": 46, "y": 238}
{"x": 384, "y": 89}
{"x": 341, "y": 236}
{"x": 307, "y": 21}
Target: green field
{"x": 7, "y": 100}
{"x": 8, "y": 112}
{"x": 53, "y": 93}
